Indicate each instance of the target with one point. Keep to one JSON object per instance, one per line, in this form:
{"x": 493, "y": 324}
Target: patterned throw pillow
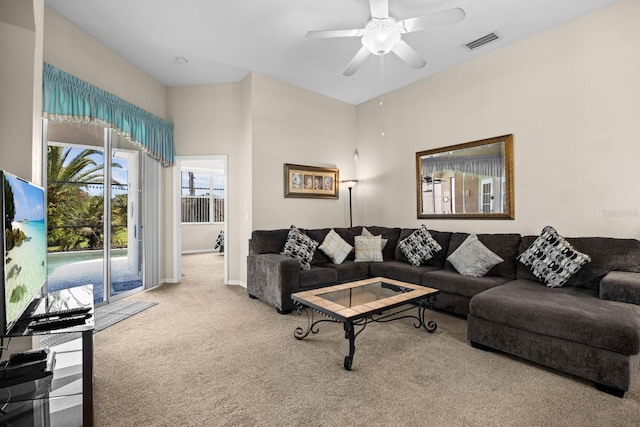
{"x": 472, "y": 258}
{"x": 552, "y": 259}
{"x": 368, "y": 248}
{"x": 301, "y": 247}
{"x": 419, "y": 247}
{"x": 367, "y": 233}
{"x": 335, "y": 247}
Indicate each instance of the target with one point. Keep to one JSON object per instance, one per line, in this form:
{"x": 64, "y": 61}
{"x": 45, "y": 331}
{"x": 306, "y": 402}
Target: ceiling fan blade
{"x": 325, "y": 34}
{"x": 379, "y": 8}
{"x": 443, "y": 17}
{"x": 409, "y": 55}
{"x": 357, "y": 60}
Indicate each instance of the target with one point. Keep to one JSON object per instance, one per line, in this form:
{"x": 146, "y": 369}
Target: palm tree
{"x": 80, "y": 169}
{"x": 74, "y": 216}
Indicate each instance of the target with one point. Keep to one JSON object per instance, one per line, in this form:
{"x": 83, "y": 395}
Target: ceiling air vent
{"x": 482, "y": 41}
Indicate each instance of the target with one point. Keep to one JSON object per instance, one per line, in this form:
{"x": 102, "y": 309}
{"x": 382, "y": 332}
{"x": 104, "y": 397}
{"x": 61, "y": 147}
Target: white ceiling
{"x": 224, "y": 40}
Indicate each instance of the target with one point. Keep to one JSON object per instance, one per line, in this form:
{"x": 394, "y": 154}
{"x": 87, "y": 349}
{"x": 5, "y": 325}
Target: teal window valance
{"x": 67, "y": 98}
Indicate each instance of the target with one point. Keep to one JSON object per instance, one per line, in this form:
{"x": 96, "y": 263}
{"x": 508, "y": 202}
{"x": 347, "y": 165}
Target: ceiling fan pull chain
{"x": 384, "y": 90}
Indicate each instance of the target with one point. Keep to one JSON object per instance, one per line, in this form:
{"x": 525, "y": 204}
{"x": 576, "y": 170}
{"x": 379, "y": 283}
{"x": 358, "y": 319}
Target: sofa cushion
{"x": 472, "y": 258}
{"x": 419, "y": 246}
{"x": 438, "y": 259}
{"x": 318, "y": 276}
{"x": 368, "y": 249}
{"x": 399, "y": 270}
{"x": 335, "y": 247}
{"x": 506, "y": 246}
{"x": 268, "y": 241}
{"x": 300, "y": 246}
{"x": 621, "y": 286}
{"x": 349, "y": 271}
{"x": 454, "y": 283}
{"x": 552, "y": 259}
{"x": 571, "y": 313}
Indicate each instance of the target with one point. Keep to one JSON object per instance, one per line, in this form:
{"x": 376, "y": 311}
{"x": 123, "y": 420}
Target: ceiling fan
{"x": 383, "y": 34}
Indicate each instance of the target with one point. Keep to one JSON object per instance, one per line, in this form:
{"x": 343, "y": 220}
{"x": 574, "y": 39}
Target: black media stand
{"x": 54, "y": 395}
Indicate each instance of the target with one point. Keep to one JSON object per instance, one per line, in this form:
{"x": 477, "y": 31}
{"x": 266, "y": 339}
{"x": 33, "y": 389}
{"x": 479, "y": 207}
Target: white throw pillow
{"x": 368, "y": 249}
{"x": 335, "y": 247}
{"x": 367, "y": 233}
{"x": 472, "y": 258}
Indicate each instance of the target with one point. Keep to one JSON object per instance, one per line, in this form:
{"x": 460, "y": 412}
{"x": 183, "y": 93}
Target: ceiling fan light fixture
{"x": 381, "y": 35}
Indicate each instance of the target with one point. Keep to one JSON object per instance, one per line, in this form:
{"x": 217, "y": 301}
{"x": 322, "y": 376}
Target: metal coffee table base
{"x": 353, "y": 327}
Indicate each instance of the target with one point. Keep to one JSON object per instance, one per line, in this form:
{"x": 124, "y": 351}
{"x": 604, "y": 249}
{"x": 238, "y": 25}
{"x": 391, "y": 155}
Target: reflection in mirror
{"x": 472, "y": 180}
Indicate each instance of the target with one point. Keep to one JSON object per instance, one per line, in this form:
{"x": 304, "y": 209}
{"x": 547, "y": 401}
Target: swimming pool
{"x": 69, "y": 269}
{"x": 58, "y": 259}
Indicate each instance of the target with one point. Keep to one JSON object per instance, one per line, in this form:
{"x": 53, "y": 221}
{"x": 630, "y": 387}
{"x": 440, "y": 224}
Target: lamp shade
{"x": 350, "y": 183}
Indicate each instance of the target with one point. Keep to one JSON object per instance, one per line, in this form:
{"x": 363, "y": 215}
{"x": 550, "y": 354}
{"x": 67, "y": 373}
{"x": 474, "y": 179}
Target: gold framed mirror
{"x": 471, "y": 180}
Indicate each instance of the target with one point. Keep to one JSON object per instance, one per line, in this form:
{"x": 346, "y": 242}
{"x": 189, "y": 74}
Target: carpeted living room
{"x": 206, "y": 354}
{"x": 546, "y": 90}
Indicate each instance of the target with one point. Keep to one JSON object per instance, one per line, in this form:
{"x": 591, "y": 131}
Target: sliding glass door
{"x": 125, "y": 252}
{"x": 94, "y": 210}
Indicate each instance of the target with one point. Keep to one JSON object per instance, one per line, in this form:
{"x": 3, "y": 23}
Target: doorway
{"x": 94, "y": 217}
{"x": 200, "y": 208}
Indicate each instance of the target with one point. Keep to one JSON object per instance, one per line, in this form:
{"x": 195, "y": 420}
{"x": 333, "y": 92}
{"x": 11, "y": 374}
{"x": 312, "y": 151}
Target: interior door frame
{"x": 177, "y": 231}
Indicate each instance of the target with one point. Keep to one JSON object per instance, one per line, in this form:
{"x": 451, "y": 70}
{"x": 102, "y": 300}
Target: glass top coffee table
{"x": 356, "y": 304}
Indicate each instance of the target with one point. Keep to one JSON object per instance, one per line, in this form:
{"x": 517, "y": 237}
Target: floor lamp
{"x": 350, "y": 184}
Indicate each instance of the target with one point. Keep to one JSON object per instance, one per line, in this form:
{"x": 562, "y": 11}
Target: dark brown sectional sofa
{"x": 589, "y": 327}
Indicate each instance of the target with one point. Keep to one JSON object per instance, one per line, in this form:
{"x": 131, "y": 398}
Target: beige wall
{"x": 207, "y": 122}
{"x": 241, "y": 200}
{"x": 21, "y": 87}
{"x": 291, "y": 125}
{"x": 199, "y": 237}
{"x": 261, "y": 124}
{"x": 570, "y": 96}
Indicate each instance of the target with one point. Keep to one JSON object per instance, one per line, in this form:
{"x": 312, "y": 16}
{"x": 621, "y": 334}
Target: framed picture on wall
{"x": 310, "y": 182}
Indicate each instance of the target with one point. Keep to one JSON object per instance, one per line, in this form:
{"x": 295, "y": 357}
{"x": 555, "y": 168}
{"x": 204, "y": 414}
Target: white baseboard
{"x": 237, "y": 283}
{"x": 199, "y": 251}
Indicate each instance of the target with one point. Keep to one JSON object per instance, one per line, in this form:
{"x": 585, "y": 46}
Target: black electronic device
{"x": 60, "y": 313}
{"x": 58, "y": 322}
{"x": 20, "y": 370}
{"x": 29, "y": 356}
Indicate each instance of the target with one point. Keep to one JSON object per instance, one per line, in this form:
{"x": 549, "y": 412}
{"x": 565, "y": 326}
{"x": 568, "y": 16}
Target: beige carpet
{"x": 207, "y": 355}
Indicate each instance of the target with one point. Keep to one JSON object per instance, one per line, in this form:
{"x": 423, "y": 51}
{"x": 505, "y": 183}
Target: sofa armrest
{"x": 621, "y": 286}
{"x": 272, "y": 278}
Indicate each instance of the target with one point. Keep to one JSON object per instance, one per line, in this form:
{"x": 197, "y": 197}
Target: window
{"x": 202, "y": 197}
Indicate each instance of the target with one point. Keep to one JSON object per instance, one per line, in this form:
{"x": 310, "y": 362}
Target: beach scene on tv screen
{"x": 25, "y": 244}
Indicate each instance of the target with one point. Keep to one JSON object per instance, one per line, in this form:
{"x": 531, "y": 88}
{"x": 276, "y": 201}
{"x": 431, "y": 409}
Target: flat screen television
{"x": 24, "y": 245}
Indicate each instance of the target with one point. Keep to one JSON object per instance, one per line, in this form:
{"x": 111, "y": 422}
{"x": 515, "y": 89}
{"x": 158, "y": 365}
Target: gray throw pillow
{"x": 419, "y": 247}
{"x": 301, "y": 247}
{"x": 472, "y": 258}
{"x": 552, "y": 259}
